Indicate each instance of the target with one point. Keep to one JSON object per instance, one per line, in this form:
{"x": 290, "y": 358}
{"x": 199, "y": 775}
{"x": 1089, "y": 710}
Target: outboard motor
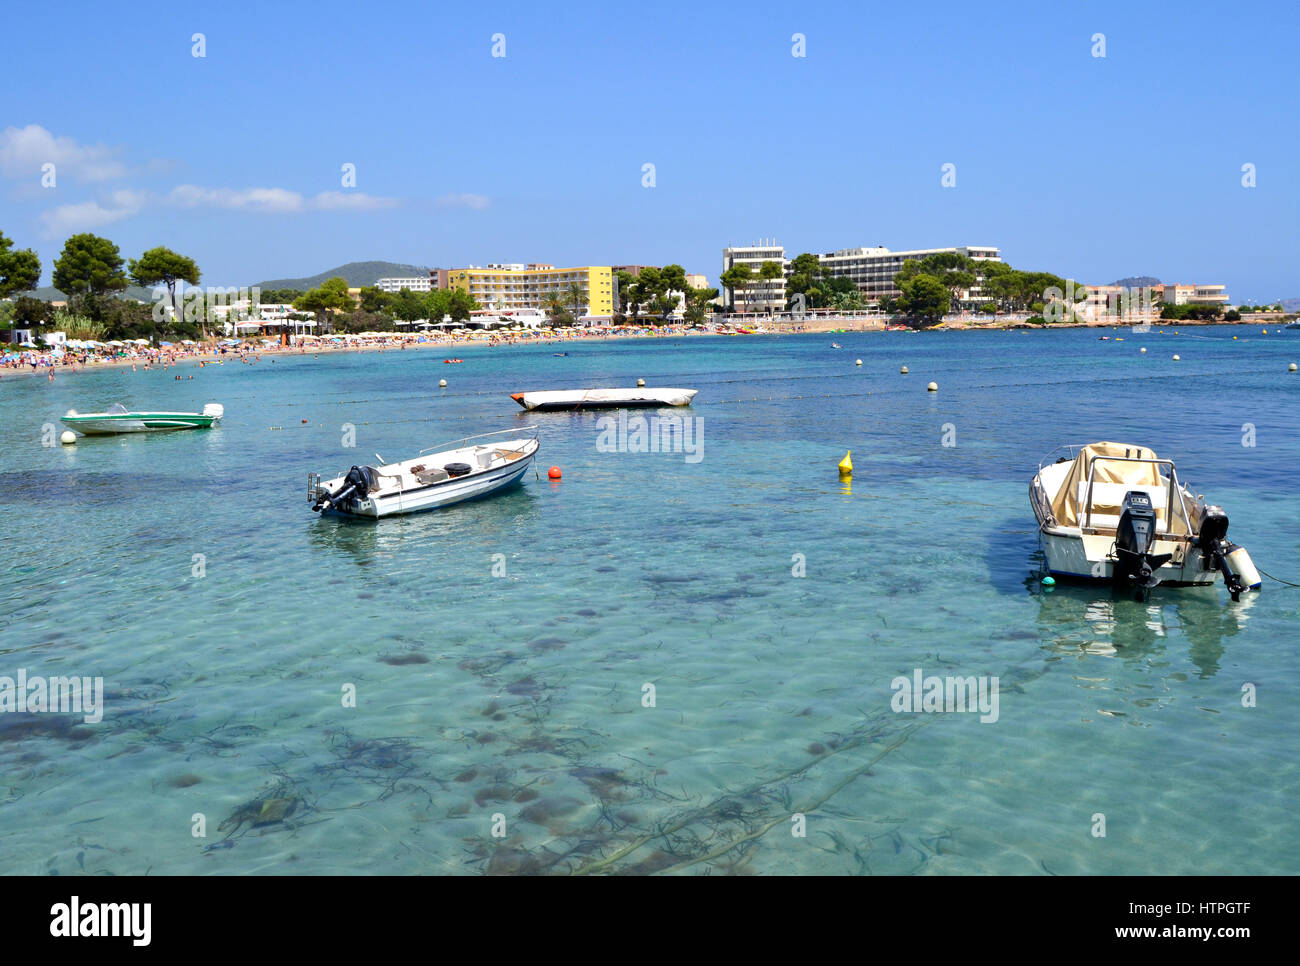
{"x": 1135, "y": 566}
{"x": 359, "y": 482}
{"x": 1219, "y": 549}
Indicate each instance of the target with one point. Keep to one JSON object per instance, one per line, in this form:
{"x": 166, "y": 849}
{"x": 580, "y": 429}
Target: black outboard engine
{"x": 1135, "y": 566}
{"x": 1216, "y": 546}
{"x": 359, "y": 481}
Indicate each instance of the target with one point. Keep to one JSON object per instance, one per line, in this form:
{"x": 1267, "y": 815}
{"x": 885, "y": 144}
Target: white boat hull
{"x": 1087, "y": 557}
{"x": 443, "y": 495}
{"x": 493, "y": 468}
{"x": 561, "y": 399}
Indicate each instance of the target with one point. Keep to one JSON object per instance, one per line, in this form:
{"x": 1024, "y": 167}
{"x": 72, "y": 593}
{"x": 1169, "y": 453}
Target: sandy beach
{"x": 250, "y": 352}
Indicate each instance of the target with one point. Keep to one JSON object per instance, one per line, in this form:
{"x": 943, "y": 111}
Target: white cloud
{"x": 125, "y": 202}
{"x": 255, "y": 199}
{"x": 24, "y": 150}
{"x": 354, "y": 200}
{"x": 278, "y": 200}
{"x": 83, "y": 216}
{"x": 463, "y": 200}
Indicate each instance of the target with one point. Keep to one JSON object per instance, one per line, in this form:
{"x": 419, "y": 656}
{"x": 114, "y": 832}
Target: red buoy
{"x": 553, "y": 472}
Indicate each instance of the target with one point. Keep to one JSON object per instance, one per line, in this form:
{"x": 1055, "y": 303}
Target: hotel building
{"x": 1193, "y": 294}
{"x": 761, "y": 296}
{"x": 525, "y": 286}
{"x": 873, "y": 269}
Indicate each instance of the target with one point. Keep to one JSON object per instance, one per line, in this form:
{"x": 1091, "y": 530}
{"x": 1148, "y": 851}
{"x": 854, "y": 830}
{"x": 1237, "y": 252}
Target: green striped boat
{"x": 118, "y": 420}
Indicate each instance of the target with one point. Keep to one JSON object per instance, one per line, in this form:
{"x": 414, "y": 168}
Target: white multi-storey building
{"x": 873, "y": 269}
{"x": 762, "y": 296}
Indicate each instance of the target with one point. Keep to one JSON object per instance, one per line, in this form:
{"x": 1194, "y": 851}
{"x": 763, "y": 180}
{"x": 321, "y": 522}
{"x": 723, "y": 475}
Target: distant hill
{"x": 358, "y": 274}
{"x": 48, "y": 293}
{"x": 1137, "y": 281}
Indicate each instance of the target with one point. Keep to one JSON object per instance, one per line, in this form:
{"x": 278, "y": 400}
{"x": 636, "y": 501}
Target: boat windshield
{"x": 116, "y": 409}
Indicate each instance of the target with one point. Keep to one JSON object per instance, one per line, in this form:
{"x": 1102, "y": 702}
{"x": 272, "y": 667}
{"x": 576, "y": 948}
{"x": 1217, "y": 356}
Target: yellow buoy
{"x": 640, "y": 382}
{"x": 1291, "y": 368}
{"x": 903, "y": 370}
{"x": 846, "y": 464}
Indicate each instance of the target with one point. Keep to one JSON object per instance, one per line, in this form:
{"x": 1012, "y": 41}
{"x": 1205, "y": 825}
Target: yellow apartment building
{"x": 525, "y": 286}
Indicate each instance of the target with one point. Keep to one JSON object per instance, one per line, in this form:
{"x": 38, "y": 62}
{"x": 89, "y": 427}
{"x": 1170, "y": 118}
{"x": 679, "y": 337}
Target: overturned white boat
{"x": 118, "y": 419}
{"x": 1118, "y": 513}
{"x": 474, "y": 467}
{"x": 641, "y": 397}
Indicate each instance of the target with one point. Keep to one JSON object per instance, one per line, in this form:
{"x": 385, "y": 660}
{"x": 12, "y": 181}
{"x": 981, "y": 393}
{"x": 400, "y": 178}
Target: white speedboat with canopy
{"x": 1118, "y": 513}
{"x": 472, "y": 467}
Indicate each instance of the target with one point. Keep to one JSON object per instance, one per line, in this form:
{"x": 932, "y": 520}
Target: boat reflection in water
{"x": 1084, "y": 622}
{"x": 404, "y": 544}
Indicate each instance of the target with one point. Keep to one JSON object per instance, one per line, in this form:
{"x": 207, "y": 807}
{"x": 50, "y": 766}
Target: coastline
{"x": 209, "y": 354}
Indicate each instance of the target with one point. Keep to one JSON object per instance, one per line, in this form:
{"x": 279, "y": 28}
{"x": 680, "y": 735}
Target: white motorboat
{"x": 603, "y": 398}
{"x": 117, "y": 419}
{"x": 1118, "y": 513}
{"x": 474, "y": 467}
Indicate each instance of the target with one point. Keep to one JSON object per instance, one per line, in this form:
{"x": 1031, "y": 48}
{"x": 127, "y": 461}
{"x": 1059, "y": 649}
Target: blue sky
{"x": 1086, "y": 166}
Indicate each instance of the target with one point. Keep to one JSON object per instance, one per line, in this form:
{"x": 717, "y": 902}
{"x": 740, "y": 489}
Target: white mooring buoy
{"x": 933, "y": 387}
{"x": 69, "y": 437}
{"x": 442, "y": 383}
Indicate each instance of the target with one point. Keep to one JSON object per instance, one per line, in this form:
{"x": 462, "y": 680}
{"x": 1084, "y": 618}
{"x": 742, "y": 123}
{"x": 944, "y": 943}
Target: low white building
{"x": 1194, "y": 294}
{"x": 394, "y": 285}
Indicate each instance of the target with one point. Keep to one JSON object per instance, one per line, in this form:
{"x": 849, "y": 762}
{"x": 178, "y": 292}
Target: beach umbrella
{"x": 185, "y": 342}
{"x": 164, "y": 343}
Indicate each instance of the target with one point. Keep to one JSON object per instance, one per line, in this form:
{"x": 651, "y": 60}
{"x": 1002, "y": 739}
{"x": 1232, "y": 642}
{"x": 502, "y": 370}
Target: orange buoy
{"x": 553, "y": 472}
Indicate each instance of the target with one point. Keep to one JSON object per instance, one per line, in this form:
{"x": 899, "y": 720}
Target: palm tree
{"x": 575, "y": 297}
{"x": 554, "y": 305}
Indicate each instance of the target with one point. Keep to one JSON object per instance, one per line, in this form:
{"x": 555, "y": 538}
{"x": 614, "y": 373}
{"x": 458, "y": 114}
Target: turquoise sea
{"x": 227, "y": 620}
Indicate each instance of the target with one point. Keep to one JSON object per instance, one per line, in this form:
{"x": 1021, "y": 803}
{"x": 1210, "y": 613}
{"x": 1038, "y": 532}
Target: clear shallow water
{"x": 522, "y": 695}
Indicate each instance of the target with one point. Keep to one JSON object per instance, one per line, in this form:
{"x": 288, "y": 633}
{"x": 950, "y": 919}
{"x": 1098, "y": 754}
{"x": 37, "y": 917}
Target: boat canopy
{"x": 1065, "y": 504}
